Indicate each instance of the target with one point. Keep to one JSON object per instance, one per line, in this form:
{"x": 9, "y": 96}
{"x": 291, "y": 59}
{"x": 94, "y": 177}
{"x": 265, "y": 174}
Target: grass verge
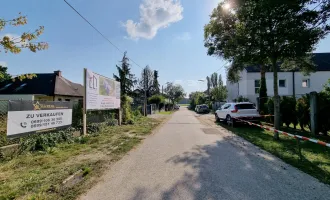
{"x": 316, "y": 158}
{"x": 166, "y": 112}
{"x": 39, "y": 175}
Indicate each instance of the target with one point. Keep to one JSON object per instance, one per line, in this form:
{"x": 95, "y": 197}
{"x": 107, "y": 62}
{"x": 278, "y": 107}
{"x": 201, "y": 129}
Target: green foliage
{"x": 270, "y": 106}
{"x": 263, "y": 92}
{"x": 241, "y": 99}
{"x": 4, "y": 76}
{"x": 303, "y": 111}
{"x": 24, "y": 41}
{"x": 197, "y": 98}
{"x": 126, "y": 108}
{"x": 125, "y": 77}
{"x": 156, "y": 99}
{"x": 324, "y": 109}
{"x": 41, "y": 142}
{"x": 174, "y": 92}
{"x": 288, "y": 111}
{"x": 112, "y": 122}
{"x": 77, "y": 114}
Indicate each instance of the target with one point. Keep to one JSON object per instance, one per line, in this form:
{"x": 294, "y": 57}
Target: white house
{"x": 289, "y": 83}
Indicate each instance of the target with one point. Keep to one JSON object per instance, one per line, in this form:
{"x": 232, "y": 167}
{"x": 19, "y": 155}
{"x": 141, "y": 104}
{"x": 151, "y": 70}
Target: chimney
{"x": 58, "y": 73}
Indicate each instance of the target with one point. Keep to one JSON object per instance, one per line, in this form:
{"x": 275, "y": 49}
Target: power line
{"x": 222, "y": 66}
{"x": 100, "y": 32}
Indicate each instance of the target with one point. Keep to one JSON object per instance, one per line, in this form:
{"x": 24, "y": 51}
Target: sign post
{"x": 101, "y": 93}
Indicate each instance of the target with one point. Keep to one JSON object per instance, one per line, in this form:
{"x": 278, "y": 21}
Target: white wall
{"x": 317, "y": 81}
{"x": 16, "y": 97}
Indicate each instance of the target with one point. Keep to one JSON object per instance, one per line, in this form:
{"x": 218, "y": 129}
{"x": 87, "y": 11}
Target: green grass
{"x": 166, "y": 112}
{"x": 316, "y": 158}
{"x": 39, "y": 175}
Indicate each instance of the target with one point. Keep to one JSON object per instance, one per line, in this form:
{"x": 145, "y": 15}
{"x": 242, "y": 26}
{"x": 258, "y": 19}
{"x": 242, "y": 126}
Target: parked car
{"x": 202, "y": 109}
{"x": 176, "y": 107}
{"x": 230, "y": 112}
{"x": 197, "y": 108}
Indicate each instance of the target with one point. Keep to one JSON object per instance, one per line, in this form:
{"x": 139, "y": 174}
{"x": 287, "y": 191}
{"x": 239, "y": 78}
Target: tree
{"x": 3, "y": 74}
{"x": 196, "y": 98}
{"x": 214, "y": 79}
{"x": 156, "y": 89}
{"x": 266, "y": 30}
{"x": 125, "y": 77}
{"x": 219, "y": 93}
{"x": 208, "y": 82}
{"x": 25, "y": 41}
{"x": 157, "y": 99}
{"x": 174, "y": 92}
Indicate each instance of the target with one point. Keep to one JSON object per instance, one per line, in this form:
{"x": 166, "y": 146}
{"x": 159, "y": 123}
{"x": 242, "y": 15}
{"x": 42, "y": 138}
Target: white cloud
{"x": 3, "y": 64}
{"x": 184, "y": 36}
{"x": 154, "y": 15}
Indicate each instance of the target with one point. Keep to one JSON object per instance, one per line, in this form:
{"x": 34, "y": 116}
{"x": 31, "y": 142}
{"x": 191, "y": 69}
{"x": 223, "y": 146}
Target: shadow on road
{"x": 224, "y": 171}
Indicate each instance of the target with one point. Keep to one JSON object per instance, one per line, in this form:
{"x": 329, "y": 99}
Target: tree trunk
{"x": 263, "y": 90}
{"x": 277, "y": 113}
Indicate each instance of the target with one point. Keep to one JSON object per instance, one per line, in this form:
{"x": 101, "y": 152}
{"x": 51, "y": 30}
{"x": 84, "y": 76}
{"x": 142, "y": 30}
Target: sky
{"x": 167, "y": 35}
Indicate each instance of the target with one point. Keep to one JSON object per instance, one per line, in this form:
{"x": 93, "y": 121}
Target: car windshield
{"x": 245, "y": 106}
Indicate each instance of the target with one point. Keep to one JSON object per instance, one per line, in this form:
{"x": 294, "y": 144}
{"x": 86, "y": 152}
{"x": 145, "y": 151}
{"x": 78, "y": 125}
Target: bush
{"x": 241, "y": 99}
{"x": 126, "y": 108}
{"x": 41, "y": 142}
{"x": 303, "y": 111}
{"x": 112, "y": 122}
{"x": 288, "y": 111}
{"x": 324, "y": 112}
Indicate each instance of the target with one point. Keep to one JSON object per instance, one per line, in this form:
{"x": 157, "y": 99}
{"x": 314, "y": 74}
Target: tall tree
{"x": 214, "y": 79}
{"x": 174, "y": 92}
{"x": 156, "y": 89}
{"x": 125, "y": 77}
{"x": 219, "y": 93}
{"x": 267, "y": 30}
{"x": 4, "y": 76}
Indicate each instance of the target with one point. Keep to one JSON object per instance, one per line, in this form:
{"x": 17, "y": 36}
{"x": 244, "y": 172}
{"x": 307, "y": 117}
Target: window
{"x": 256, "y": 86}
{"x": 244, "y": 106}
{"x": 59, "y": 99}
{"x": 282, "y": 83}
{"x": 67, "y": 99}
{"x": 226, "y": 106}
{"x": 305, "y": 83}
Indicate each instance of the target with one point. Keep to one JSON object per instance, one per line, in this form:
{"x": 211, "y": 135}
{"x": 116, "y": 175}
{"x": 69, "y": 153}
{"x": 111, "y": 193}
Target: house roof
{"x": 321, "y": 60}
{"x": 47, "y": 84}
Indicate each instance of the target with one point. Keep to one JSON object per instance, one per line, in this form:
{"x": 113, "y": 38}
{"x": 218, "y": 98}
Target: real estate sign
{"x": 37, "y": 116}
{"x": 101, "y": 93}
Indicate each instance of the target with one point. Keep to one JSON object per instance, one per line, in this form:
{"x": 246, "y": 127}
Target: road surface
{"x": 187, "y": 159}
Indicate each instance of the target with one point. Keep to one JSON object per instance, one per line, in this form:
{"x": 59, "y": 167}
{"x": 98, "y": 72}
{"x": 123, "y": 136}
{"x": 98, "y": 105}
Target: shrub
{"x": 112, "y": 122}
{"x": 126, "y": 108}
{"x": 324, "y": 114}
{"x": 241, "y": 99}
{"x": 40, "y": 142}
{"x": 288, "y": 111}
{"x": 303, "y": 111}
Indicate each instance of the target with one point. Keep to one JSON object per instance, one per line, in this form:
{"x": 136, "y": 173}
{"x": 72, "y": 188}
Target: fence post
{"x": 119, "y": 116}
{"x": 314, "y": 113}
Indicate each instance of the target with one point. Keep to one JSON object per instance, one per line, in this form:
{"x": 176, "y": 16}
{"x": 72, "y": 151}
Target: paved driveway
{"x": 187, "y": 159}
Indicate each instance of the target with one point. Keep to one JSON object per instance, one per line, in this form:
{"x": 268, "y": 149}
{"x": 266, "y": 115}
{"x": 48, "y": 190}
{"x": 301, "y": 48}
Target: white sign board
{"x": 41, "y": 117}
{"x": 101, "y": 93}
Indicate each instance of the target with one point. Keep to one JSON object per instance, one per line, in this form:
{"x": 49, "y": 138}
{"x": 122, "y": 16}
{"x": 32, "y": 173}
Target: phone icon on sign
{"x": 23, "y": 124}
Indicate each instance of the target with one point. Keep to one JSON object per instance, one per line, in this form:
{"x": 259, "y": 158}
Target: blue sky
{"x": 170, "y": 41}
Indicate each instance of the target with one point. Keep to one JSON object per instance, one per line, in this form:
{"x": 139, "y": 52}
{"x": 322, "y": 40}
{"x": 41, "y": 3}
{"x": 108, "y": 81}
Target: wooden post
{"x": 119, "y": 116}
{"x": 84, "y": 105}
{"x": 314, "y": 112}
{"x": 299, "y": 149}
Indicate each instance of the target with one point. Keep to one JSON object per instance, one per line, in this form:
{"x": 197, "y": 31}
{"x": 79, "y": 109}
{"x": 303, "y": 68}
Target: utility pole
{"x": 145, "y": 92}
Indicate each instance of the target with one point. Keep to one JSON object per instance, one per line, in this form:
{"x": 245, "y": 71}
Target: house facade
{"x": 46, "y": 87}
{"x": 289, "y": 83}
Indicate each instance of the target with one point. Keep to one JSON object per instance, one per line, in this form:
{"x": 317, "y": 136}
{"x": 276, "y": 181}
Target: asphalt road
{"x": 187, "y": 159}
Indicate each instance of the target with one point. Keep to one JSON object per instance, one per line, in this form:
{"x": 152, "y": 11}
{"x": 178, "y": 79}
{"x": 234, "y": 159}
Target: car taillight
{"x": 236, "y": 110}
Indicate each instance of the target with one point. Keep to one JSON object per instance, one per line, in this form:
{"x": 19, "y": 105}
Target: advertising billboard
{"x": 102, "y": 93}
{"x": 26, "y": 117}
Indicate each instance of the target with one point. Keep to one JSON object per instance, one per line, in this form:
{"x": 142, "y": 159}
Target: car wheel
{"x": 216, "y": 117}
{"x": 229, "y": 120}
